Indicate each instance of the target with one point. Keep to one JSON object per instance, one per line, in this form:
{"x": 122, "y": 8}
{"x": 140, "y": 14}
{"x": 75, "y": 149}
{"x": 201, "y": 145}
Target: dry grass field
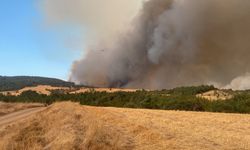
{"x": 46, "y": 89}
{"x": 40, "y": 89}
{"x": 108, "y": 90}
{"x": 72, "y": 126}
{"x": 6, "y": 108}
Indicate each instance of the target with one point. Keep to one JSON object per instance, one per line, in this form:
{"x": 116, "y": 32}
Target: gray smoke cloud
{"x": 172, "y": 43}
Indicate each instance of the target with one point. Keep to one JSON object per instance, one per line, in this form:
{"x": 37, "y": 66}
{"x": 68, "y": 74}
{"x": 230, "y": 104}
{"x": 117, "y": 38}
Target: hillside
{"x": 19, "y": 82}
{"x": 72, "y": 126}
{"x": 183, "y": 98}
{"x": 40, "y": 89}
{"x": 48, "y": 90}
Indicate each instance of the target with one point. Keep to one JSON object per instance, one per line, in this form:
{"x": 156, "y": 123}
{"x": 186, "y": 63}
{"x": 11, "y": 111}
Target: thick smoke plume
{"x": 173, "y": 43}
{"x": 101, "y": 17}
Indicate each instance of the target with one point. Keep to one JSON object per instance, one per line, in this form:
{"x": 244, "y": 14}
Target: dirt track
{"x": 22, "y": 114}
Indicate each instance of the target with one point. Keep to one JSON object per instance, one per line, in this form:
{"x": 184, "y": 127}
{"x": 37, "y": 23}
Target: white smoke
{"x": 240, "y": 83}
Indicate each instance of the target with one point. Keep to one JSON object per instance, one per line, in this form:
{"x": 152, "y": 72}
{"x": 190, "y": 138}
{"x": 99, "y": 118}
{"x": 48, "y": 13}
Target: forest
{"x": 19, "y": 82}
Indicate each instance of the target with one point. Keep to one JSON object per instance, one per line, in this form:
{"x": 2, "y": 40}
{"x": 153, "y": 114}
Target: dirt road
{"x": 19, "y": 115}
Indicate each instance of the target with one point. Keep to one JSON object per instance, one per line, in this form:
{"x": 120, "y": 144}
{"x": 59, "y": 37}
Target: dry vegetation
{"x": 40, "y": 89}
{"x": 215, "y": 95}
{"x": 71, "y": 126}
{"x": 47, "y": 89}
{"x": 6, "y": 108}
{"x": 108, "y": 90}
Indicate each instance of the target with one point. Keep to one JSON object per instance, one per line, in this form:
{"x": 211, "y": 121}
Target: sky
{"x": 29, "y": 47}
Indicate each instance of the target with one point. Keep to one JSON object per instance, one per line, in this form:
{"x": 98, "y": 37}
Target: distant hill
{"x": 19, "y": 82}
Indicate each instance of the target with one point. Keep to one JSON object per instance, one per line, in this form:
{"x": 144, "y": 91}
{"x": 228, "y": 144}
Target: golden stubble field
{"x": 72, "y": 126}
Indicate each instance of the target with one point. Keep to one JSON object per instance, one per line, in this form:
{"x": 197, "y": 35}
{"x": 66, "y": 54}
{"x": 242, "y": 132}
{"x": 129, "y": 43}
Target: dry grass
{"x": 108, "y": 90}
{"x": 41, "y": 89}
{"x": 6, "y": 108}
{"x": 46, "y": 89}
{"x": 215, "y": 95}
{"x": 71, "y": 126}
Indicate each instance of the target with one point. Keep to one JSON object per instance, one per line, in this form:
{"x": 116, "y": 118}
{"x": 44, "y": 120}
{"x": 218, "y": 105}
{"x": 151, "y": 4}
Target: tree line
{"x": 183, "y": 98}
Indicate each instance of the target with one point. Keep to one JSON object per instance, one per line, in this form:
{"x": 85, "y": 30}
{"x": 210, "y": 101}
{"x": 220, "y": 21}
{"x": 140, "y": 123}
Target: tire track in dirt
{"x": 20, "y": 115}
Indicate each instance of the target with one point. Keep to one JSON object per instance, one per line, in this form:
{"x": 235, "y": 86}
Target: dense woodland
{"x": 176, "y": 99}
{"x": 16, "y": 83}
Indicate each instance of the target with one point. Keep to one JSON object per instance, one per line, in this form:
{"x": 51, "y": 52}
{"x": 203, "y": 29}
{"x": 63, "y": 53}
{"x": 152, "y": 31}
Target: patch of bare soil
{"x": 72, "y": 126}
